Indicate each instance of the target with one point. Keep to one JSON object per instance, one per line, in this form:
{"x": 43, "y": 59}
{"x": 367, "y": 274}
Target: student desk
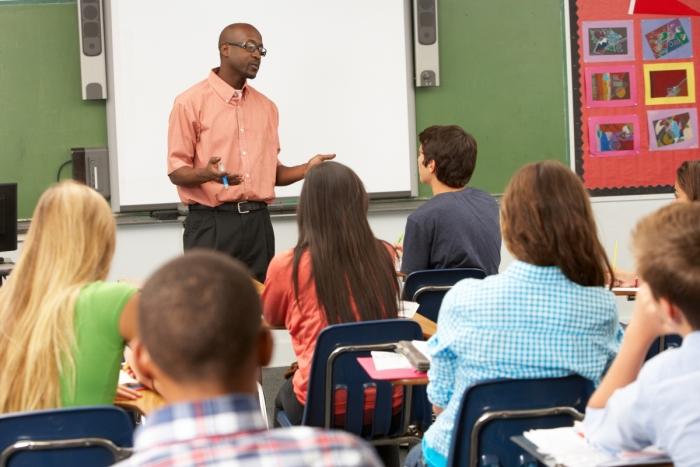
{"x": 548, "y": 461}
{"x": 428, "y": 327}
{"x": 147, "y": 403}
{"x": 5, "y": 270}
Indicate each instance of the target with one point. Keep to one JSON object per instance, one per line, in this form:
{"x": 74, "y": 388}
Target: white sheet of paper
{"x": 389, "y": 361}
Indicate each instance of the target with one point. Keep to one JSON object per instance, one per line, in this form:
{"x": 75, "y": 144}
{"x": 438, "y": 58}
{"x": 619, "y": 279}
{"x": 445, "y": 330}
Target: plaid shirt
{"x": 230, "y": 431}
{"x": 527, "y": 322}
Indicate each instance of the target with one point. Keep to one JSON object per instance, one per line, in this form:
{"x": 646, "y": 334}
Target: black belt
{"x": 241, "y": 207}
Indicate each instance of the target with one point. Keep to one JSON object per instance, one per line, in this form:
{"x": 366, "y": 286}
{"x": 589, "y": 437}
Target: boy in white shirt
{"x": 657, "y": 404}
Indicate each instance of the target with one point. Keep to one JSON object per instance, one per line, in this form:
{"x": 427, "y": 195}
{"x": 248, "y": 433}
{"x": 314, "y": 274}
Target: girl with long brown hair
{"x": 547, "y": 315}
{"x": 338, "y": 272}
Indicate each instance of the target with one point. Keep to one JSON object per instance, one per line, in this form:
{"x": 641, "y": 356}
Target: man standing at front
{"x": 222, "y": 155}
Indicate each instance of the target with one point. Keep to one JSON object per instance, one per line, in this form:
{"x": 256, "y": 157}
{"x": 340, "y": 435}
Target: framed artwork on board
{"x": 606, "y": 41}
{"x": 666, "y": 39}
{"x": 611, "y": 86}
{"x": 672, "y": 129}
{"x": 613, "y": 135}
{"x": 669, "y": 83}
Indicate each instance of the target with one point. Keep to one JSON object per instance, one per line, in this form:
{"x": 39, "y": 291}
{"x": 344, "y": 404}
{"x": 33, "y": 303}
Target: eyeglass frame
{"x": 259, "y": 48}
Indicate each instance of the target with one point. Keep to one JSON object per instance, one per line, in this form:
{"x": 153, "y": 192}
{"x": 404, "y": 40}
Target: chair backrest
{"x": 428, "y": 287}
{"x": 669, "y": 341}
{"x": 492, "y": 411}
{"x": 90, "y": 436}
{"x": 346, "y": 373}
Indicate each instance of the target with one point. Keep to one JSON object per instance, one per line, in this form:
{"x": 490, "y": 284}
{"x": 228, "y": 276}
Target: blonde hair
{"x": 70, "y": 243}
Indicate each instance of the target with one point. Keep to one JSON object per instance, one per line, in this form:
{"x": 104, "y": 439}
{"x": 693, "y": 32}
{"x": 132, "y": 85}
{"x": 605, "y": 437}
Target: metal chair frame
{"x": 118, "y": 452}
{"x": 328, "y": 401}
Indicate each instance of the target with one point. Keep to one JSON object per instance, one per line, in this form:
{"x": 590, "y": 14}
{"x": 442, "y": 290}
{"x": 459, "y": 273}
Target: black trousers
{"x": 247, "y": 237}
{"x": 286, "y": 400}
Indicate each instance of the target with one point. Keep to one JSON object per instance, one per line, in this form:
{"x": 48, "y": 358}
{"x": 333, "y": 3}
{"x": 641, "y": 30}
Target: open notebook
{"x": 566, "y": 446}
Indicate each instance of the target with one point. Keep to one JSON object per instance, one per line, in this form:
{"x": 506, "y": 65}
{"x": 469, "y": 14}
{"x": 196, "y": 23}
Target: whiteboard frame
{"x": 282, "y": 200}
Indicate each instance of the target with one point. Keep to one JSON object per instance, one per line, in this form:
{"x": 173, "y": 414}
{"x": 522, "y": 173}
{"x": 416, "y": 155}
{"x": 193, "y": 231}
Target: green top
{"x": 99, "y": 346}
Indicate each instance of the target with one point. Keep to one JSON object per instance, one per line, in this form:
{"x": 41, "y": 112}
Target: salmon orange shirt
{"x": 240, "y": 126}
{"x": 304, "y": 318}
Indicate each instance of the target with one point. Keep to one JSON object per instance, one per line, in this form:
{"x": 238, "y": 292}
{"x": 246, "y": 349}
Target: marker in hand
{"x": 224, "y": 178}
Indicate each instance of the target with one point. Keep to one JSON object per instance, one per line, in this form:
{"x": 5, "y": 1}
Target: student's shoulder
{"x": 349, "y": 450}
{"x": 103, "y": 290}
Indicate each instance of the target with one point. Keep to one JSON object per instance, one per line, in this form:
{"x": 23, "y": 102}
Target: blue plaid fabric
{"x": 230, "y": 431}
{"x": 527, "y": 322}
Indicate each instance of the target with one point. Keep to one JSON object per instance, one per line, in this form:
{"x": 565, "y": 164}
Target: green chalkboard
{"x": 41, "y": 113}
{"x": 502, "y": 78}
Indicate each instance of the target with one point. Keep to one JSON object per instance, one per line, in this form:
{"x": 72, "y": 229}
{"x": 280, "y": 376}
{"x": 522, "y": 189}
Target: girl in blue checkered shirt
{"x": 549, "y": 314}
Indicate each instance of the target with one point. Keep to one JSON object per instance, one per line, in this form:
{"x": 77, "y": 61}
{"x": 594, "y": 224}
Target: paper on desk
{"x": 422, "y": 347}
{"x": 125, "y": 378}
{"x": 567, "y": 446}
{"x": 407, "y": 309}
{"x": 389, "y": 361}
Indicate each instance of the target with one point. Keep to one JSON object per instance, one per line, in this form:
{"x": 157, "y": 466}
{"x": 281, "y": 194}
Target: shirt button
{"x": 242, "y": 130}
{"x": 244, "y": 153}
{"x": 247, "y": 175}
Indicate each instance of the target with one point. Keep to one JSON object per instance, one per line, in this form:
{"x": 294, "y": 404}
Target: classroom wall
{"x": 502, "y": 78}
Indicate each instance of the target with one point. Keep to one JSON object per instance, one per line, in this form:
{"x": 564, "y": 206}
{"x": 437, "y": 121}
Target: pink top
{"x": 213, "y": 119}
{"x": 304, "y": 318}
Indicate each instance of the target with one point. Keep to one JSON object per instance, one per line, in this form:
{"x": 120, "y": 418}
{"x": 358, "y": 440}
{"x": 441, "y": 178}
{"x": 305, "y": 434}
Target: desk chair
{"x": 662, "y": 343}
{"x": 492, "y": 411}
{"x": 334, "y": 366}
{"x": 82, "y": 436}
{"x": 430, "y": 286}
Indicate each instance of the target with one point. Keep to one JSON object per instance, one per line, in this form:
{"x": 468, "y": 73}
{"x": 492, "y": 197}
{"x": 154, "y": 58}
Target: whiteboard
{"x": 340, "y": 73}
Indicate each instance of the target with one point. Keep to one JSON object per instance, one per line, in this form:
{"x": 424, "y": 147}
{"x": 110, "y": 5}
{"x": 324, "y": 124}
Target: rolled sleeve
{"x": 182, "y": 138}
{"x": 623, "y": 425}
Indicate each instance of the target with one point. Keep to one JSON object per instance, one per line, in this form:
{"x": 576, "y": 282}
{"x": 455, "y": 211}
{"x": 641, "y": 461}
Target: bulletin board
{"x": 634, "y": 96}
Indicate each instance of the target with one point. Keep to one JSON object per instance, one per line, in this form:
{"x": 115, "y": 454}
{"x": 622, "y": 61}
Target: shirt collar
{"x": 532, "y": 273}
{"x": 232, "y": 413}
{"x": 224, "y": 90}
{"x": 692, "y": 340}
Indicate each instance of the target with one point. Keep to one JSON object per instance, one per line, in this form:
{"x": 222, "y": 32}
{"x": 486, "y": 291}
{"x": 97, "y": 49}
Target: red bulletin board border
{"x": 645, "y": 171}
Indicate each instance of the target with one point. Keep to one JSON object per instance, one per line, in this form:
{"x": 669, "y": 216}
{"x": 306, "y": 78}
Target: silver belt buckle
{"x": 238, "y": 206}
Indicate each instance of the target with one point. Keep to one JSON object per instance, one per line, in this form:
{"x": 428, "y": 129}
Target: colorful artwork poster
{"x": 669, "y": 83}
{"x": 671, "y": 129}
{"x": 611, "y": 86}
{"x": 614, "y": 136}
{"x": 605, "y": 41}
{"x": 666, "y": 39}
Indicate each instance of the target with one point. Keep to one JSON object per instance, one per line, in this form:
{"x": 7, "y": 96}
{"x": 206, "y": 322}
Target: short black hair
{"x": 200, "y": 316}
{"x": 454, "y": 152}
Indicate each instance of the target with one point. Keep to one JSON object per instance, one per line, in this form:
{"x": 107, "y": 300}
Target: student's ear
{"x": 265, "y": 346}
{"x": 143, "y": 364}
{"x": 673, "y": 314}
{"x": 431, "y": 166}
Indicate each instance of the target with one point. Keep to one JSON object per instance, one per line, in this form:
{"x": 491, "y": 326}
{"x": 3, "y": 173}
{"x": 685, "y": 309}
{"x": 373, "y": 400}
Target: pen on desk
{"x": 224, "y": 179}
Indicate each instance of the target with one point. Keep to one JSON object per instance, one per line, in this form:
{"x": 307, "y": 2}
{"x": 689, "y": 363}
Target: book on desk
{"x": 567, "y": 447}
